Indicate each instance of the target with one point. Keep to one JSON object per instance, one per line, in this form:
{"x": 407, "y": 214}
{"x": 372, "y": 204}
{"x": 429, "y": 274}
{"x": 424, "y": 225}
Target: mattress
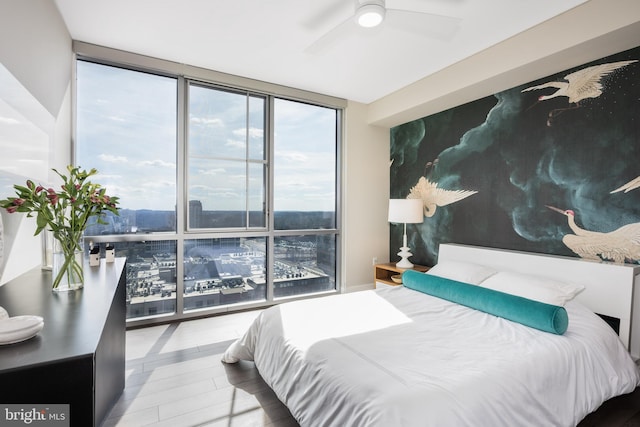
{"x": 398, "y": 357}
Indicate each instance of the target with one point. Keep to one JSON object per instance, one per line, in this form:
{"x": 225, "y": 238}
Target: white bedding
{"x": 397, "y": 357}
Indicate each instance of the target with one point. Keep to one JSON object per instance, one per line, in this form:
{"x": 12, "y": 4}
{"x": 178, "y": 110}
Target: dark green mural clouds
{"x": 502, "y": 147}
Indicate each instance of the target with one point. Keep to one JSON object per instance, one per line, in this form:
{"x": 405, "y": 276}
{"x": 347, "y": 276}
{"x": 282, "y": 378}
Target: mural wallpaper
{"x": 552, "y": 166}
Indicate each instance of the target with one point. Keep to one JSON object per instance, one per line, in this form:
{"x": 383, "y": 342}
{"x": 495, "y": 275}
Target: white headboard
{"x": 610, "y": 289}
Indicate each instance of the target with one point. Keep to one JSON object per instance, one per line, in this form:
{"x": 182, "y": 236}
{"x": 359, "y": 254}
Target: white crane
{"x": 579, "y": 85}
{"x": 620, "y": 245}
{"x": 631, "y": 185}
{"x": 432, "y": 196}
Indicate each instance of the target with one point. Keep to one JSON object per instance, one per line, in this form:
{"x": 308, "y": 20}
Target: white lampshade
{"x": 407, "y": 211}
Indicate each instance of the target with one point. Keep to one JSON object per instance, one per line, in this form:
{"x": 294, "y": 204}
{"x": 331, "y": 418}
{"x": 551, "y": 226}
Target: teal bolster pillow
{"x": 545, "y": 317}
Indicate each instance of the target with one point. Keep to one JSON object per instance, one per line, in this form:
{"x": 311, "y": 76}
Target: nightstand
{"x": 382, "y": 273}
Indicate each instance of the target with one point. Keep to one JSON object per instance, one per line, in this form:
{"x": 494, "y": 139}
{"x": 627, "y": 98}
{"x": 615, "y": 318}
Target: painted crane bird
{"x": 631, "y": 185}
{"x": 579, "y": 85}
{"x": 621, "y": 245}
{"x": 432, "y": 196}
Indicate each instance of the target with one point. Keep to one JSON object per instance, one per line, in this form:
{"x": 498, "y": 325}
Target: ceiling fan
{"x": 369, "y": 15}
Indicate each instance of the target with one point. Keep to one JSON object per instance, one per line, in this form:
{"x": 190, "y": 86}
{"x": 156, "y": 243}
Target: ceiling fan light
{"x": 370, "y": 15}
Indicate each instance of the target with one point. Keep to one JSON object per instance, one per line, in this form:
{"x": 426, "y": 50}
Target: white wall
{"x": 35, "y": 47}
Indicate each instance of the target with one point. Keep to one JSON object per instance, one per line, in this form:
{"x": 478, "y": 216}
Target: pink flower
{"x": 66, "y": 209}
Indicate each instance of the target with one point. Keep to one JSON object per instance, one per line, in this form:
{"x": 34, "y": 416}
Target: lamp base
{"x": 404, "y": 254}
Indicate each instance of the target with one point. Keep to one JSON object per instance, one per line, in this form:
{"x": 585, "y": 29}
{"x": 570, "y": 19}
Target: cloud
{"x": 199, "y": 187}
{"x": 214, "y": 172}
{"x": 158, "y": 163}
{"x": 110, "y": 158}
{"x": 241, "y": 133}
{"x": 161, "y": 184}
{"x": 235, "y": 143}
{"x": 226, "y": 195}
{"x": 297, "y": 183}
{"x": 205, "y": 121}
{"x": 253, "y": 132}
{"x": 292, "y": 156}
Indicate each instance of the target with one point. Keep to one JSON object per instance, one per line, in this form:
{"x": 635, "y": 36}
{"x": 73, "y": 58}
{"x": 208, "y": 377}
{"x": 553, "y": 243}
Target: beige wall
{"x": 35, "y": 47}
{"x": 365, "y": 194}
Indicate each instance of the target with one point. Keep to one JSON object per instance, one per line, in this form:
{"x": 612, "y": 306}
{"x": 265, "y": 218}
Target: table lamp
{"x": 406, "y": 211}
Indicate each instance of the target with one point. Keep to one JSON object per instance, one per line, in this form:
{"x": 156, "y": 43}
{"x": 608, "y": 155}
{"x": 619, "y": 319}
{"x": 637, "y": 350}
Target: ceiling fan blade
{"x": 327, "y": 14}
{"x": 416, "y": 23}
{"x": 425, "y": 24}
{"x": 341, "y": 31}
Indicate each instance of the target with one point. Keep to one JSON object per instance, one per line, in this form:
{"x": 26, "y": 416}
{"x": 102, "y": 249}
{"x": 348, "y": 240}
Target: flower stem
{"x": 70, "y": 266}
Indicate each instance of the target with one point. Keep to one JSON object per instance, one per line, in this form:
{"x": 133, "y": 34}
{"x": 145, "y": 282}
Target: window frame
{"x": 188, "y": 74}
{"x": 265, "y": 161}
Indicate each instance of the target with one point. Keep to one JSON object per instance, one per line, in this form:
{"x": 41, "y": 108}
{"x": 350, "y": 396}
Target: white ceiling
{"x": 273, "y": 40}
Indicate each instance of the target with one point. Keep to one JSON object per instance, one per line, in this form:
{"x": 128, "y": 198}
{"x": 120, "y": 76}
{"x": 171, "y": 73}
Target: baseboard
{"x": 358, "y": 288}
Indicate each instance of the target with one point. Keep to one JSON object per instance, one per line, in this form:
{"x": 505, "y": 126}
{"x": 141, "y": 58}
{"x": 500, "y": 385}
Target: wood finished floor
{"x": 174, "y": 378}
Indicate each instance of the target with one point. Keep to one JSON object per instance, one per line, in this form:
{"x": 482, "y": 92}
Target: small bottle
{"x": 94, "y": 255}
{"x": 110, "y": 253}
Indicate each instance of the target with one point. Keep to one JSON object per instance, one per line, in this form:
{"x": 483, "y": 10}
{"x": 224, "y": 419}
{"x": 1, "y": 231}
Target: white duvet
{"x": 396, "y": 357}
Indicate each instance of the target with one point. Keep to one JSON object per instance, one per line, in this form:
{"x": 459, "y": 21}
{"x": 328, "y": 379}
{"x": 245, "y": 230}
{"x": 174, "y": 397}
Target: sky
{"x": 126, "y": 129}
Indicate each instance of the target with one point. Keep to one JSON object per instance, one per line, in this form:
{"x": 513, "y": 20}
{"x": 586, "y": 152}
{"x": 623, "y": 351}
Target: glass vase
{"x": 47, "y": 250}
{"x": 67, "y": 271}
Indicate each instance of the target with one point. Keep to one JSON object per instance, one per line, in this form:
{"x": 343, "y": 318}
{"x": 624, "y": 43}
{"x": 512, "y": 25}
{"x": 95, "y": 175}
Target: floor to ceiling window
{"x": 228, "y": 196}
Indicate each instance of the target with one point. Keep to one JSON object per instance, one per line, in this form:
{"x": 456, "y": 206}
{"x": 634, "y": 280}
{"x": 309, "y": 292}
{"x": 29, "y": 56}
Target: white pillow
{"x": 466, "y": 272}
{"x": 537, "y": 288}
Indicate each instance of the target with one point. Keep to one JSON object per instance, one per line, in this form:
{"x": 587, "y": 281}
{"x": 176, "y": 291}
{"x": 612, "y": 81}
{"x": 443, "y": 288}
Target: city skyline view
{"x": 223, "y": 271}
{"x": 188, "y": 158}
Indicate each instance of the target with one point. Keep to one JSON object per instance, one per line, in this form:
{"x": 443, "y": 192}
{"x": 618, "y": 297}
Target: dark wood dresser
{"x": 79, "y": 356}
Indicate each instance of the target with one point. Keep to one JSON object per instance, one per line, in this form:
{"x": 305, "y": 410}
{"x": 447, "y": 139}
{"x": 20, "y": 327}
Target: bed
{"x": 401, "y": 356}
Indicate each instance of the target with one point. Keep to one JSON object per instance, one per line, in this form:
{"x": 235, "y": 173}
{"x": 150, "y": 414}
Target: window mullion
{"x": 270, "y": 178}
{"x": 246, "y": 158}
{"x": 181, "y": 182}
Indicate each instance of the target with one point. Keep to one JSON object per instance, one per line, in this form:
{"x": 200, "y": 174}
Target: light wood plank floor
{"x": 174, "y": 378}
